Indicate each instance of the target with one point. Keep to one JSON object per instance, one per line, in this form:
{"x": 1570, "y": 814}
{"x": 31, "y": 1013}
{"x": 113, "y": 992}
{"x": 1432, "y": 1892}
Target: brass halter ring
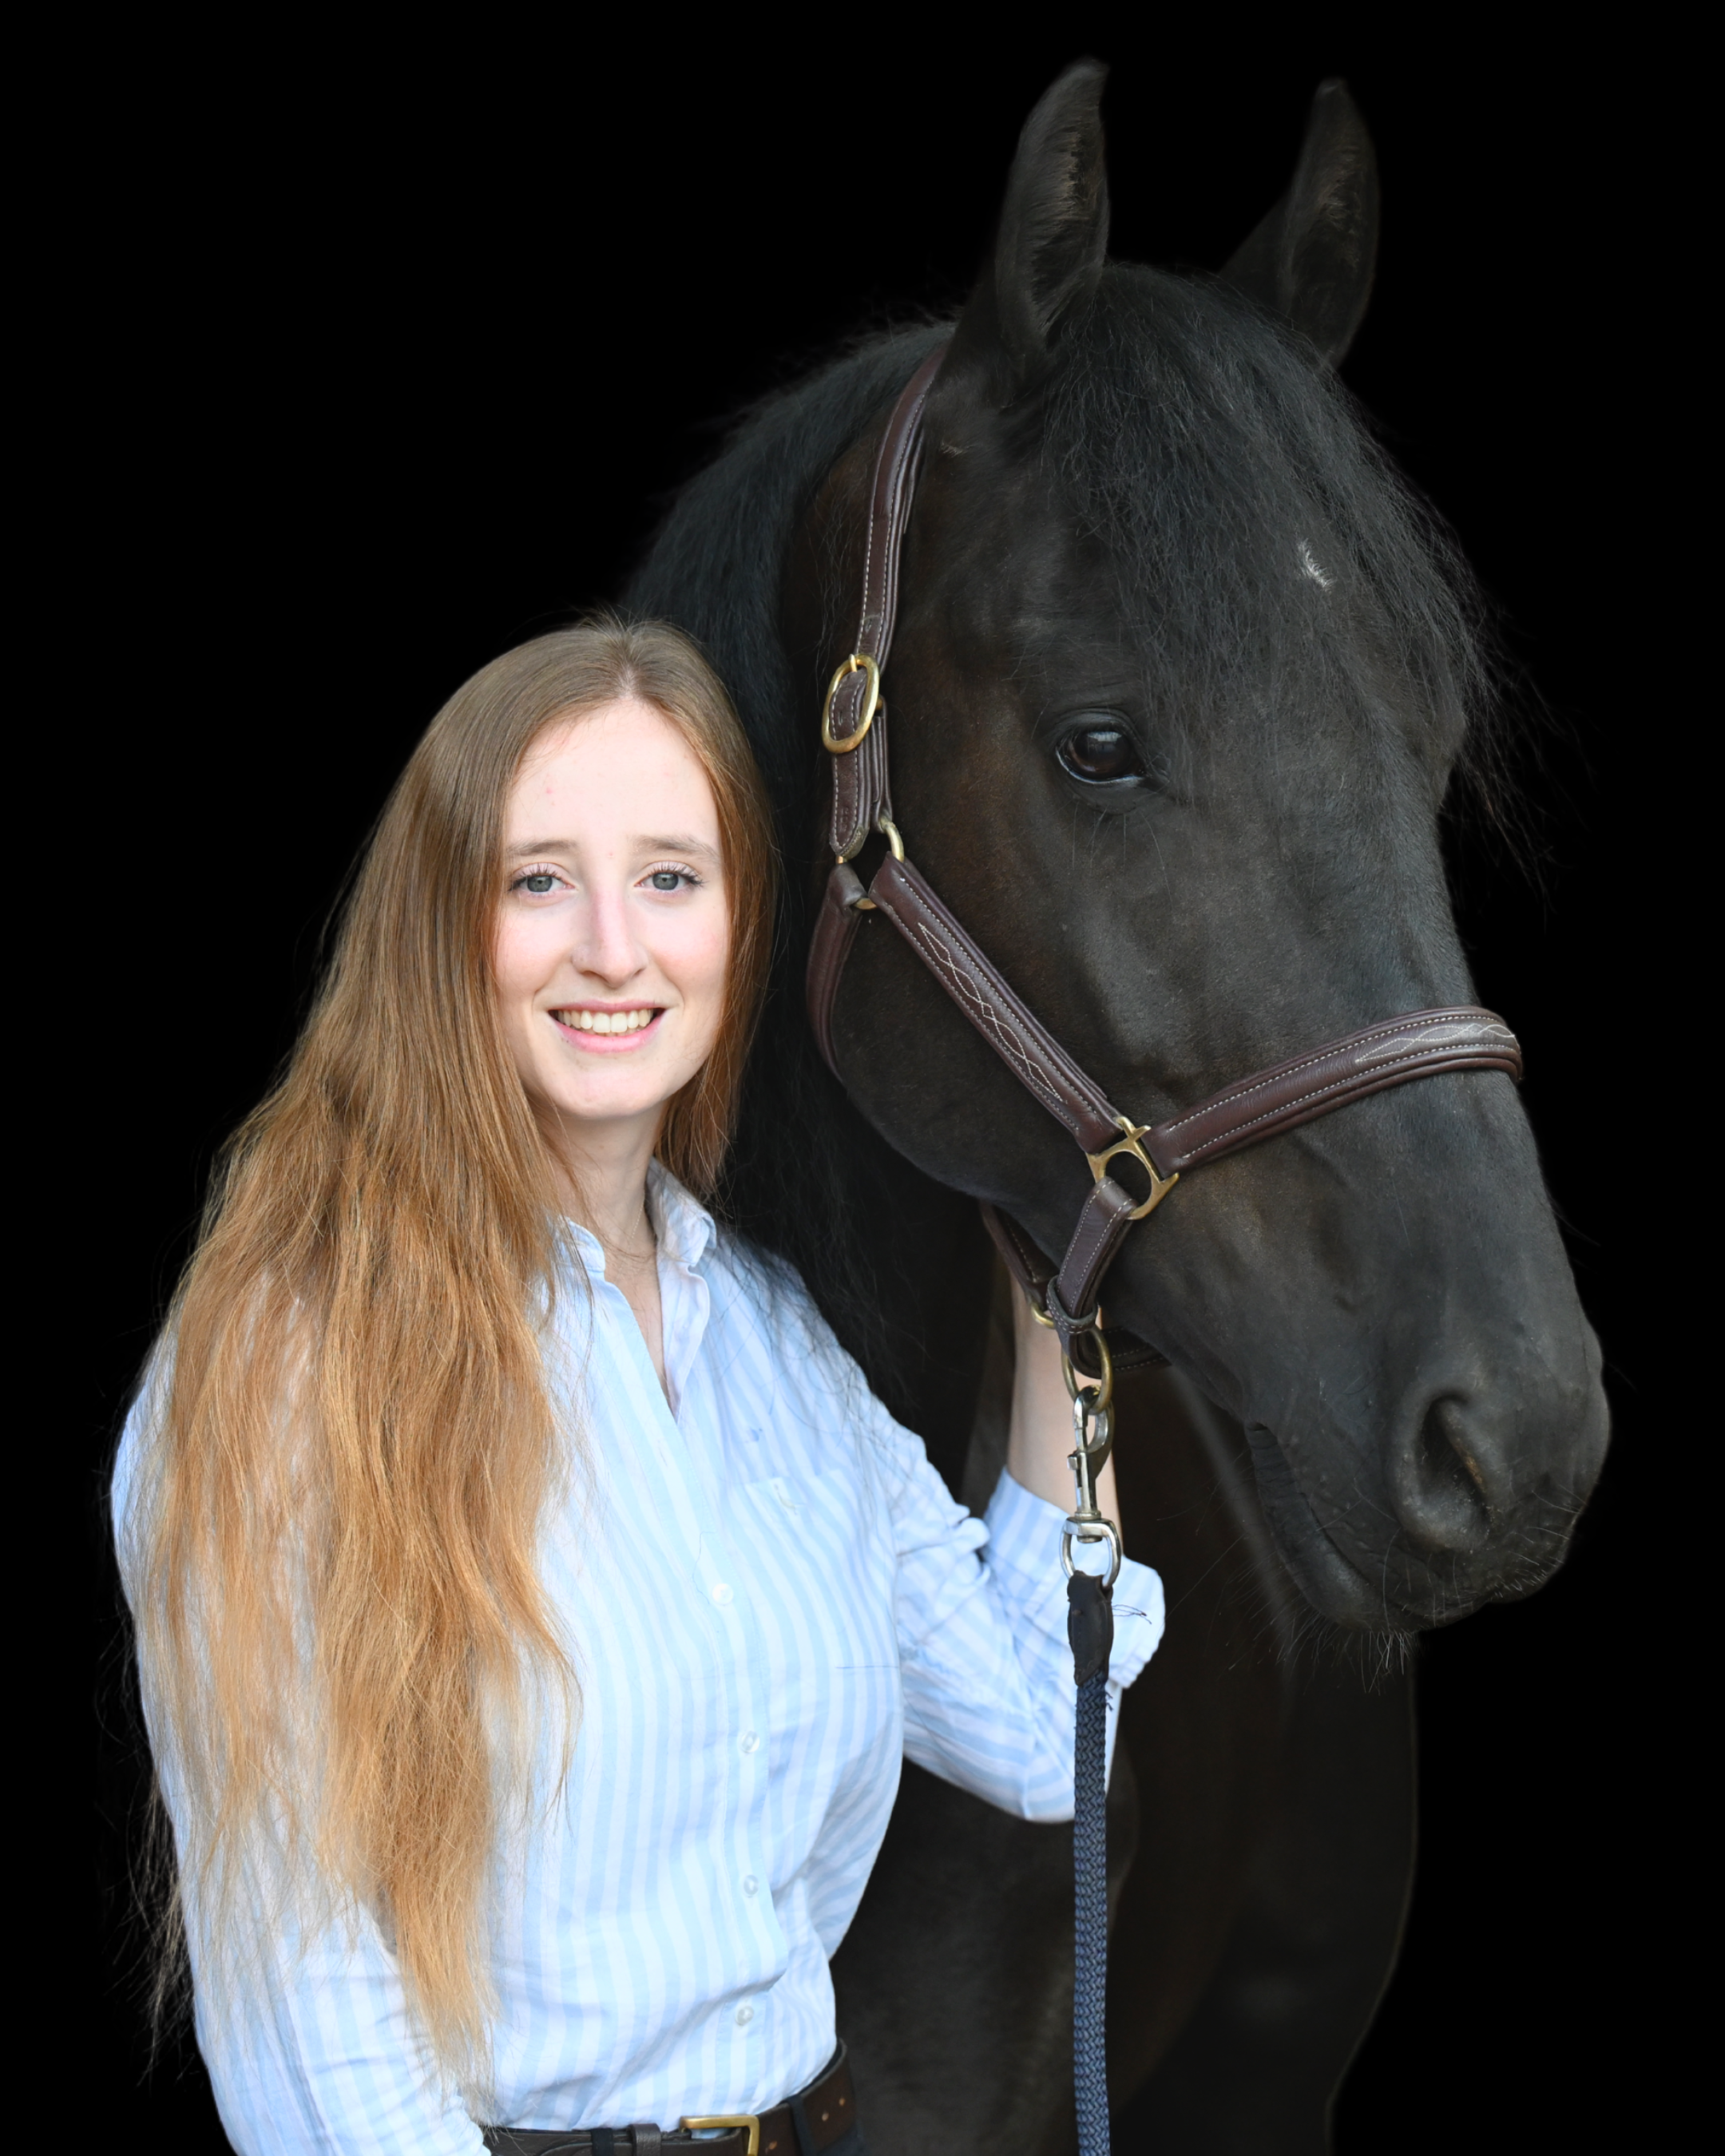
{"x": 1098, "y": 1396}
{"x": 1132, "y": 1144}
{"x": 858, "y": 662}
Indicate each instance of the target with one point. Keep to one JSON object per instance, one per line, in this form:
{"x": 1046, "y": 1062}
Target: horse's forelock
{"x": 1262, "y": 543}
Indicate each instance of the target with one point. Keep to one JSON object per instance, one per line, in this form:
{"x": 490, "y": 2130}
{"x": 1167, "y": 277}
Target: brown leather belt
{"x": 828, "y": 2106}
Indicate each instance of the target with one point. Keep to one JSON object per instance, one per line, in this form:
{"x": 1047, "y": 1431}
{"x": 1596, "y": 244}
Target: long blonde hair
{"x": 342, "y": 1468}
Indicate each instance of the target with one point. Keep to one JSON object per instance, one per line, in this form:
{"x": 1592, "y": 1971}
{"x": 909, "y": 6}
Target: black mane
{"x": 803, "y": 1163}
{"x": 716, "y": 566}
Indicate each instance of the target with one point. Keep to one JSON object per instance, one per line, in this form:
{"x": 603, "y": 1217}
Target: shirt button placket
{"x": 749, "y": 1745}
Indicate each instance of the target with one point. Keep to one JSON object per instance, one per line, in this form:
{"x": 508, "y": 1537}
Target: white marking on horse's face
{"x": 1309, "y": 562}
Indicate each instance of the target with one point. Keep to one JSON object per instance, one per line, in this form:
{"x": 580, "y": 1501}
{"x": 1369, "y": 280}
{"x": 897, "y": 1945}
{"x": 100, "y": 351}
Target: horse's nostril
{"x": 1472, "y": 1466}
{"x": 1443, "y": 1494}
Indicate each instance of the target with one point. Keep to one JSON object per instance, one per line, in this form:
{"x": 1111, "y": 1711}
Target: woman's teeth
{"x": 597, "y": 1021}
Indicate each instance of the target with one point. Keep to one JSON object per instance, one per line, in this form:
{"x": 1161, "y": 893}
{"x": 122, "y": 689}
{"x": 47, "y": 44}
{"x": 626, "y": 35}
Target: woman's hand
{"x": 1041, "y": 1437}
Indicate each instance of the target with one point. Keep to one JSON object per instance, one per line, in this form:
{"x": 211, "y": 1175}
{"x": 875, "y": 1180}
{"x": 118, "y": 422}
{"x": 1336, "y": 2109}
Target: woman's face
{"x": 614, "y": 928}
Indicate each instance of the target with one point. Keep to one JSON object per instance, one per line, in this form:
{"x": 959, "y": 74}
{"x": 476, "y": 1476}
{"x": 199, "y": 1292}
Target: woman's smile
{"x": 605, "y": 1029}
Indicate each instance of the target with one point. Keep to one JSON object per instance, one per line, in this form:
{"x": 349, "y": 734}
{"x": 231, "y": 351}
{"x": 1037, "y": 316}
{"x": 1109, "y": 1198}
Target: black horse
{"x": 1182, "y": 675}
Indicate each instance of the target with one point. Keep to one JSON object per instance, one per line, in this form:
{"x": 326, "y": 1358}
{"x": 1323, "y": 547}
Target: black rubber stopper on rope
{"x": 1089, "y": 1626}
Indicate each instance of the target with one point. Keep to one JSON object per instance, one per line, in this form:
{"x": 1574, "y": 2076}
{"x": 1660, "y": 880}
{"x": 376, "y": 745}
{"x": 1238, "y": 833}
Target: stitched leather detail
{"x": 1131, "y": 1353}
{"x": 834, "y": 925}
{"x": 891, "y": 495}
{"x": 1030, "y": 1271}
{"x": 1416, "y": 1045}
{"x": 1102, "y": 1223}
{"x": 890, "y": 508}
{"x": 1037, "y": 1060}
{"x": 860, "y": 792}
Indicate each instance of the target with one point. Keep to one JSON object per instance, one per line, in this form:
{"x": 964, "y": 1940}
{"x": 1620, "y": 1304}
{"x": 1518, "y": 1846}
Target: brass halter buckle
{"x": 858, "y": 662}
{"x": 1132, "y": 1144}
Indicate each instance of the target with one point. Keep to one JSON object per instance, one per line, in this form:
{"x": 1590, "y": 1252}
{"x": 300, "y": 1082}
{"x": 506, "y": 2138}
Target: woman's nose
{"x": 605, "y": 947}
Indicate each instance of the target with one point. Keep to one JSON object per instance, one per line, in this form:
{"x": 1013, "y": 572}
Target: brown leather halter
{"x": 1417, "y": 1045}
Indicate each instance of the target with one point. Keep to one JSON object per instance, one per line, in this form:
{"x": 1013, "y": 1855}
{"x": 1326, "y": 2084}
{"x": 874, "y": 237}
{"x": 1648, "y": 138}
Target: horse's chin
{"x": 1330, "y": 1580}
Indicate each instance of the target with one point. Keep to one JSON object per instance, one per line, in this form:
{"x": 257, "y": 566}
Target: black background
{"x": 377, "y": 360}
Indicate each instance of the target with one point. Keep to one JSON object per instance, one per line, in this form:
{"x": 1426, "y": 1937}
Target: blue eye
{"x": 666, "y": 879}
{"x": 539, "y": 883}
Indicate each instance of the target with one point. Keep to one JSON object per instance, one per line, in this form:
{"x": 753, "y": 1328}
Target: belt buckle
{"x": 747, "y": 2118}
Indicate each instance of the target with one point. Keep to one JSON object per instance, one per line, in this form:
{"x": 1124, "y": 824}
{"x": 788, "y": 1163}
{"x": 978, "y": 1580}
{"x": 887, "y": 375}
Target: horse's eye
{"x": 1101, "y": 755}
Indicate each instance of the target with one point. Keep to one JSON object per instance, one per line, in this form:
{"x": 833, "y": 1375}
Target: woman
{"x": 533, "y": 1605}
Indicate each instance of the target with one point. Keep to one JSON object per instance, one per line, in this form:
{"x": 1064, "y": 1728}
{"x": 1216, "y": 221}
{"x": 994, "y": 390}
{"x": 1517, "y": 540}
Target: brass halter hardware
{"x": 1133, "y": 1143}
{"x": 889, "y": 831}
{"x": 858, "y": 662}
{"x": 1097, "y": 1394}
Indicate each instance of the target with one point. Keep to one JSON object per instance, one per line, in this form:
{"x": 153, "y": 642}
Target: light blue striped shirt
{"x": 770, "y": 1598}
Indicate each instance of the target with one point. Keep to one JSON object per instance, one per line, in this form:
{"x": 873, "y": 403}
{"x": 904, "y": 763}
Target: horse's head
{"x": 1181, "y": 678}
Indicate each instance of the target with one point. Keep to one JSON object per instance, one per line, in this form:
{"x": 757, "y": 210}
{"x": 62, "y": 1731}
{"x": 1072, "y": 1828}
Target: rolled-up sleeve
{"x": 989, "y": 1700}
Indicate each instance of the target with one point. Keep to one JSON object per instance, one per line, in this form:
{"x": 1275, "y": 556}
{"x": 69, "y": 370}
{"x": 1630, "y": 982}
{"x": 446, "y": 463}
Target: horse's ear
{"x": 1310, "y": 261}
{"x": 1053, "y": 233}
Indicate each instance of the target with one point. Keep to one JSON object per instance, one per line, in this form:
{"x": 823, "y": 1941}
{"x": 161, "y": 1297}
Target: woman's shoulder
{"x": 758, "y": 1287}
{"x": 817, "y": 1381}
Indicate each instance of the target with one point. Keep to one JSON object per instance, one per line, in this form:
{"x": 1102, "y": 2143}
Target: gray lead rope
{"x": 1090, "y": 1625}
{"x": 1090, "y": 1628}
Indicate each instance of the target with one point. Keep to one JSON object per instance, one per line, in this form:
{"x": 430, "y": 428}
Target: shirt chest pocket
{"x": 824, "y": 1539}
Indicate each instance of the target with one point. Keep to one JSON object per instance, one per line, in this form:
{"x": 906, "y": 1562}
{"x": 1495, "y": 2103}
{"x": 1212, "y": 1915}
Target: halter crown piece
{"x": 1416, "y": 1044}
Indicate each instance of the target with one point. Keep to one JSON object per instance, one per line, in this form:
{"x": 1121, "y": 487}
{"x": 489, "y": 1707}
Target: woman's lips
{"x": 607, "y": 1043}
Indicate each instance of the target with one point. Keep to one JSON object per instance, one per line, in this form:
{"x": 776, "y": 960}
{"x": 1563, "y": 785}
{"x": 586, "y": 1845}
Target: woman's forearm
{"x": 1041, "y": 1437}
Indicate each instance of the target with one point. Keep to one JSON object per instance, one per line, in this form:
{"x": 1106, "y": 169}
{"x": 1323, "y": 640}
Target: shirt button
{"x": 745, "y": 2015}
{"x": 751, "y": 1885}
{"x": 722, "y": 1594}
{"x": 750, "y": 1742}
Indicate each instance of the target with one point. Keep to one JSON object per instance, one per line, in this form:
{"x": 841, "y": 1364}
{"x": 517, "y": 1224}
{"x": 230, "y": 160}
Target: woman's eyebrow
{"x": 650, "y": 842}
{"x": 676, "y": 842}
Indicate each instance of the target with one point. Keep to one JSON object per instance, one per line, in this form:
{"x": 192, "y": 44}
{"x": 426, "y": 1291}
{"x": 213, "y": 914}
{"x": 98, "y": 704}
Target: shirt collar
{"x": 683, "y": 1226}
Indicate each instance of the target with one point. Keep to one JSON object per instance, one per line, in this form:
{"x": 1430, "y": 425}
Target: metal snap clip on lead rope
{"x": 1093, "y": 1439}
